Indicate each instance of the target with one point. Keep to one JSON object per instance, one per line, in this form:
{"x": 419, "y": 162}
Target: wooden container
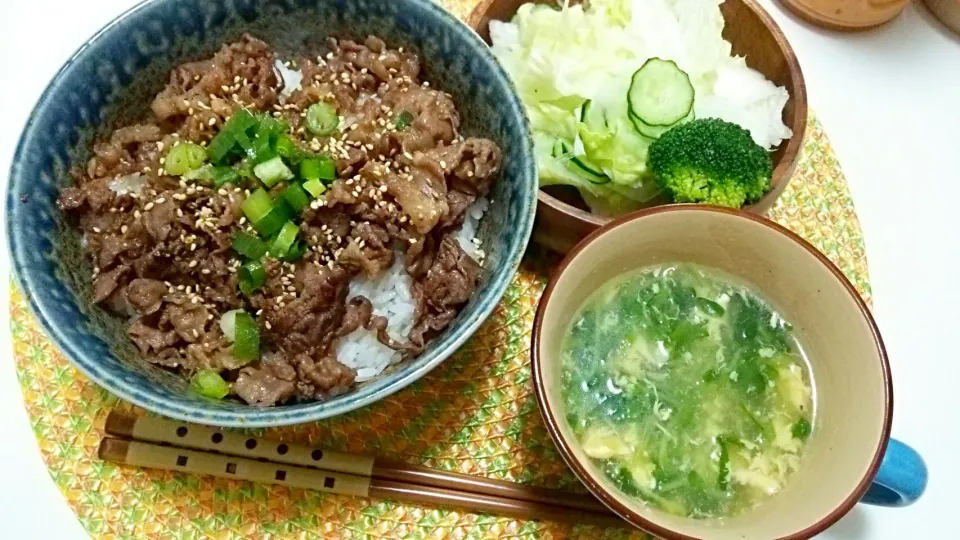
{"x": 846, "y": 15}
{"x": 562, "y": 217}
{"x": 948, "y": 11}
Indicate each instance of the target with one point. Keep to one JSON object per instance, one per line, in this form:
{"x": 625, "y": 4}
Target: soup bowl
{"x": 111, "y": 81}
{"x": 849, "y": 456}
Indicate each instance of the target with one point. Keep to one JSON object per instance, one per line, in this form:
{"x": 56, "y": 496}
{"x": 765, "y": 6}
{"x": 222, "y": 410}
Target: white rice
{"x": 391, "y": 296}
{"x": 291, "y": 79}
{"x": 129, "y": 183}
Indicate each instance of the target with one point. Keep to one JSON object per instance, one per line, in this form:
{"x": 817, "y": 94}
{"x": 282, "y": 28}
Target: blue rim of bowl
{"x": 255, "y": 417}
{"x": 552, "y": 421}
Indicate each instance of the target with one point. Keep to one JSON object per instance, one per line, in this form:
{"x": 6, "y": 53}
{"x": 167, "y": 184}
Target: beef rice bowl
{"x": 280, "y": 230}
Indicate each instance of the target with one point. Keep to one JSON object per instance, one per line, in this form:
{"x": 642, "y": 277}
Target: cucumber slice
{"x": 579, "y": 164}
{"x": 660, "y": 93}
{"x": 594, "y": 116}
{"x": 654, "y": 132}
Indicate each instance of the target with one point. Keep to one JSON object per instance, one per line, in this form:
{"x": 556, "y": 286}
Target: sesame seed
{"x": 192, "y": 263}
{"x": 212, "y": 122}
{"x": 443, "y": 164}
{"x": 148, "y": 206}
{"x": 96, "y": 230}
{"x": 161, "y": 200}
{"x": 413, "y": 240}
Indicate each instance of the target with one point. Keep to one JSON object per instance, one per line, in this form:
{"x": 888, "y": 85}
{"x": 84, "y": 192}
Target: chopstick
{"x": 172, "y": 445}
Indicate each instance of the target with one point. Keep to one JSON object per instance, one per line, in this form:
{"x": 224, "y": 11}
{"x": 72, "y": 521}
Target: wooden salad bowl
{"x": 562, "y": 217}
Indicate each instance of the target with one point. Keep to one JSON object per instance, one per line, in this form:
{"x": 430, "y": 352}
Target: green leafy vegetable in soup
{"x": 687, "y": 390}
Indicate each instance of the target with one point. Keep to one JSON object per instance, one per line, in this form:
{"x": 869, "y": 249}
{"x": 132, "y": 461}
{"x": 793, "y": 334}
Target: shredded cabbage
{"x": 561, "y": 58}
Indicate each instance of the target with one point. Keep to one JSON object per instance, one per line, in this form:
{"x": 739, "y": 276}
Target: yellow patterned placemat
{"x": 475, "y": 413}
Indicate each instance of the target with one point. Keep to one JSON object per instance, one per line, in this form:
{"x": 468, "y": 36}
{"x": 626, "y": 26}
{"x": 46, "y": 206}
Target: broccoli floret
{"x": 711, "y": 161}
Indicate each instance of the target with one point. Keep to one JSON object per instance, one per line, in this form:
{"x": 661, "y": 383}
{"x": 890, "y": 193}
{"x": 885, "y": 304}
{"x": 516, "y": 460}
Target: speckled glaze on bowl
{"x": 112, "y": 78}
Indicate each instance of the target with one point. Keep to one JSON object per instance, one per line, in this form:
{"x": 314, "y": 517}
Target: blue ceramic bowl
{"x": 112, "y": 78}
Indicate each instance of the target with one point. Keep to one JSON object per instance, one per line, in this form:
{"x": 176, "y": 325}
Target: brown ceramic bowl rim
{"x": 551, "y": 420}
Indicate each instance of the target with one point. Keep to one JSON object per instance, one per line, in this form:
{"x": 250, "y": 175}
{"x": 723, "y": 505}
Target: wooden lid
{"x": 846, "y": 14}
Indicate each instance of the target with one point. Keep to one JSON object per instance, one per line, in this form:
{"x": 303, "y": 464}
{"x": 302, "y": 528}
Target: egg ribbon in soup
{"x": 687, "y": 390}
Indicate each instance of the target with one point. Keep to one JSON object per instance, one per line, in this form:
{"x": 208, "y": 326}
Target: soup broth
{"x": 687, "y": 390}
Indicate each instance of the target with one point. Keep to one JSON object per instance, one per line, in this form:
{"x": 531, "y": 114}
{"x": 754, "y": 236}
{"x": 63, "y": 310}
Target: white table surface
{"x": 889, "y": 100}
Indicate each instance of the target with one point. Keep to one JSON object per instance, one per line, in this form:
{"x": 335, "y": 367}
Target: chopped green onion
{"x": 184, "y": 157}
{"x": 272, "y": 171}
{"x": 246, "y": 346}
{"x": 228, "y": 324}
{"x": 296, "y": 252}
{"x": 220, "y": 147}
{"x": 245, "y": 169}
{"x": 404, "y": 119}
{"x": 248, "y": 245}
{"x": 710, "y": 307}
{"x": 321, "y": 167}
{"x": 288, "y": 150}
{"x": 203, "y": 174}
{"x": 723, "y": 462}
{"x": 322, "y": 119}
{"x": 801, "y": 430}
{"x": 315, "y": 187}
{"x": 244, "y": 141}
{"x": 209, "y": 383}
{"x": 257, "y": 206}
{"x": 225, "y": 175}
{"x": 284, "y": 240}
{"x": 233, "y": 132}
{"x": 252, "y": 276}
{"x": 267, "y": 132}
{"x": 274, "y": 220}
{"x": 296, "y": 197}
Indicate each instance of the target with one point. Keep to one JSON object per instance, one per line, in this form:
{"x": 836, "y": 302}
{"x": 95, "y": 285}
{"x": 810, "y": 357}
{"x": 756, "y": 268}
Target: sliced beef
{"x": 357, "y": 315}
{"x": 421, "y": 193}
{"x": 160, "y": 218}
{"x": 213, "y": 351}
{"x": 369, "y": 250}
{"x": 447, "y": 285}
{"x": 146, "y": 295}
{"x": 149, "y": 338}
{"x": 189, "y": 319}
{"x": 106, "y": 282}
{"x": 244, "y": 68}
{"x": 322, "y": 378}
{"x": 435, "y": 118}
{"x": 71, "y": 198}
{"x": 98, "y": 194}
{"x": 271, "y": 383}
{"x": 309, "y": 321}
{"x": 136, "y": 134}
